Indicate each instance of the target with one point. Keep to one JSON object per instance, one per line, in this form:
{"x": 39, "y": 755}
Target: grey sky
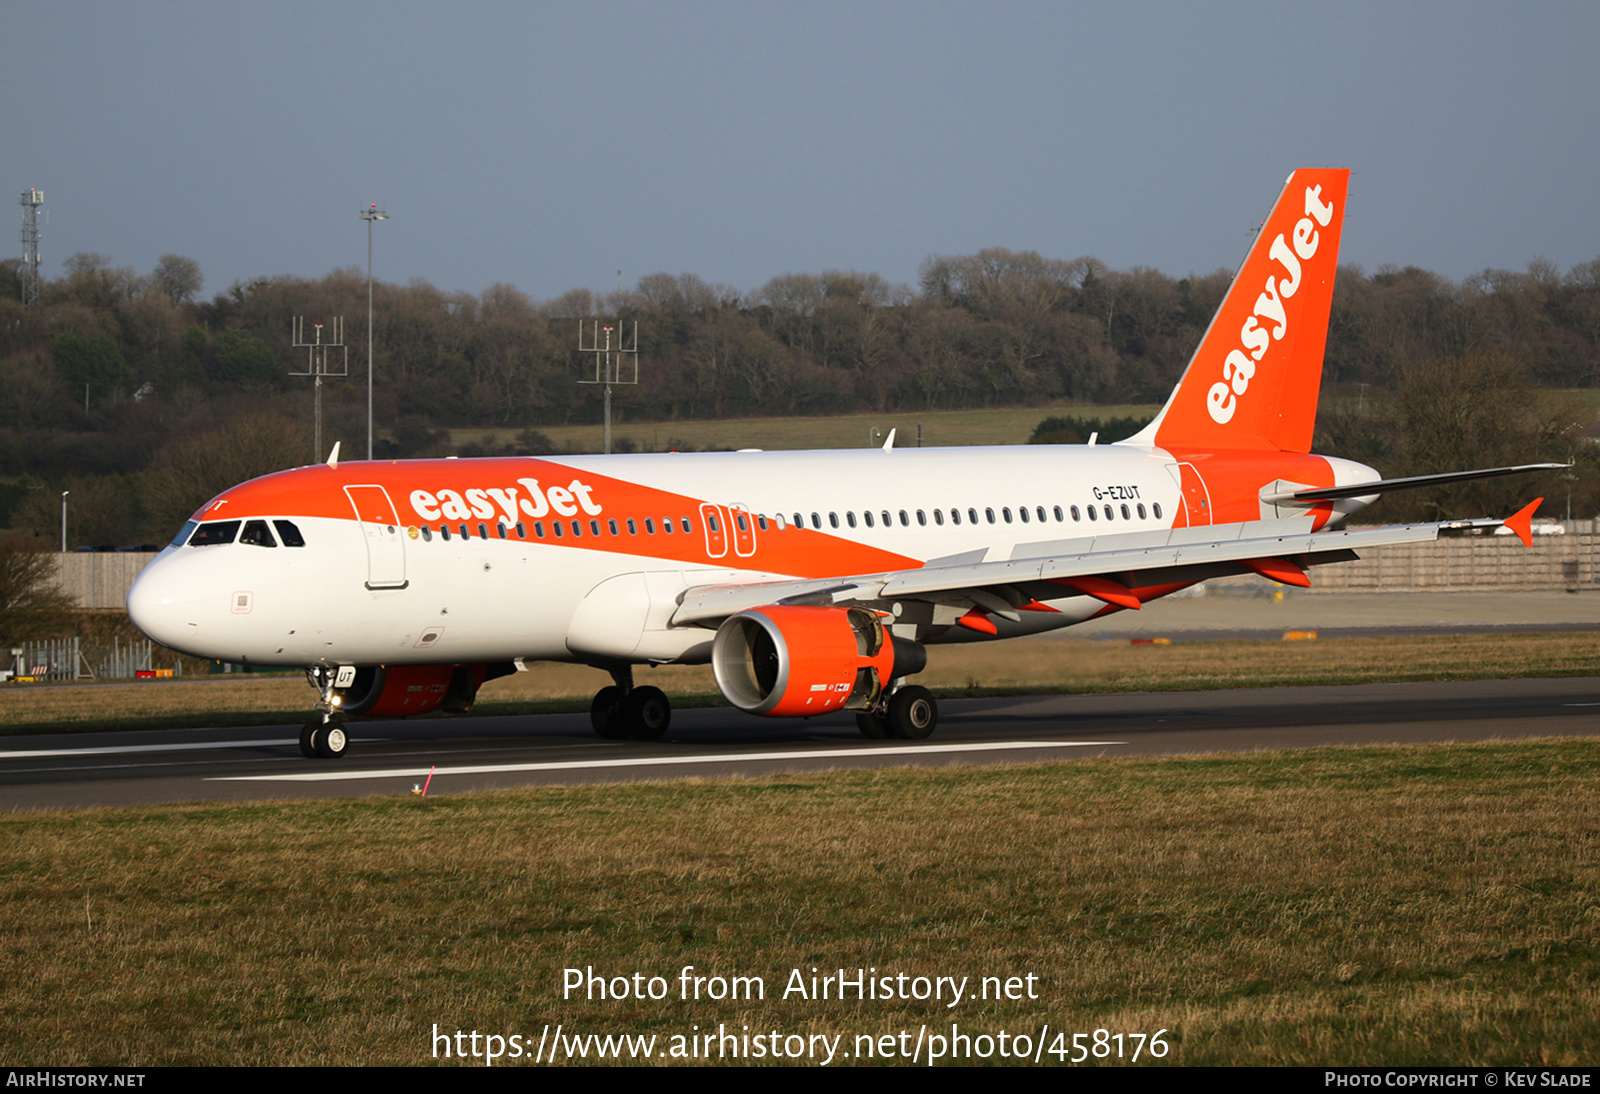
{"x": 549, "y": 145}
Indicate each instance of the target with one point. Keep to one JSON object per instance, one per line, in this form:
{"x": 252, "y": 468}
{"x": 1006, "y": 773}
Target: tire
{"x": 332, "y": 741}
{"x": 646, "y": 713}
{"x": 872, "y": 727}
{"x": 913, "y": 713}
{"x": 308, "y": 738}
{"x": 605, "y": 716}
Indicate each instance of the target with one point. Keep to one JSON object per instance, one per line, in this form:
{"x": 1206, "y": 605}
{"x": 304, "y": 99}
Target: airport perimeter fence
{"x": 65, "y": 659}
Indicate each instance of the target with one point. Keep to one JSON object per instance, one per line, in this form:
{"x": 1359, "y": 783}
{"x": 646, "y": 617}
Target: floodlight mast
{"x": 31, "y": 199}
{"x": 370, "y": 214}
{"x": 617, "y": 364}
{"x": 317, "y": 367}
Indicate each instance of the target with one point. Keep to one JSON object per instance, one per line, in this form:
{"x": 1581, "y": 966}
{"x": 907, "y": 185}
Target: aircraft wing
{"x": 1107, "y": 567}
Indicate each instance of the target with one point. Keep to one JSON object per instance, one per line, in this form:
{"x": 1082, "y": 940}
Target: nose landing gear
{"x": 323, "y": 737}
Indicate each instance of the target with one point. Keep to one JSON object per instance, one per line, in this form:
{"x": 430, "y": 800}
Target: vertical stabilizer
{"x": 1253, "y": 381}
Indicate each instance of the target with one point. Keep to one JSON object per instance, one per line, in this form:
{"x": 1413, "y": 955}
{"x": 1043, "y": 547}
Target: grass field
{"x": 1007, "y": 425}
{"x": 1434, "y": 904}
{"x": 1048, "y": 664}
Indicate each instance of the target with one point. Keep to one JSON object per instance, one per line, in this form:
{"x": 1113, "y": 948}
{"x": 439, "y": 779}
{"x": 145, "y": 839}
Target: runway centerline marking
{"x": 661, "y": 761}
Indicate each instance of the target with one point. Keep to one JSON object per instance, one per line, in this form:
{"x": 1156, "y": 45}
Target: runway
{"x": 263, "y": 763}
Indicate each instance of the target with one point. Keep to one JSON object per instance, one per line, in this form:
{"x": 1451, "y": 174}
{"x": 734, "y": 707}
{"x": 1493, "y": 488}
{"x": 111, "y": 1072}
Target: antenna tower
{"x": 317, "y": 366}
{"x": 31, "y": 200}
{"x": 613, "y": 364}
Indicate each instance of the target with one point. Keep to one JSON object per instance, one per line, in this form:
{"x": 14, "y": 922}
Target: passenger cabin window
{"x": 955, "y": 516}
{"x": 257, "y": 534}
{"x": 217, "y": 531}
{"x": 427, "y": 534}
{"x": 1155, "y": 507}
{"x": 649, "y": 526}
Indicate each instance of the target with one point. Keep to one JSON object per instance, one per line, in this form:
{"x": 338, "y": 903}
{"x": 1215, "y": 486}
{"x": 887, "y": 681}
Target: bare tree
{"x": 177, "y": 278}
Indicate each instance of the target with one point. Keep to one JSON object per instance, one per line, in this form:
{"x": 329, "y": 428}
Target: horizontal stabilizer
{"x": 1383, "y": 486}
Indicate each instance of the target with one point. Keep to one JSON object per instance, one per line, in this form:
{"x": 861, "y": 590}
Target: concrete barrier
{"x": 102, "y": 579}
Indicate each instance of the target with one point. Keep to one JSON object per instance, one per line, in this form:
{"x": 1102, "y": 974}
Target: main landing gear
{"x": 911, "y": 714}
{"x": 323, "y": 737}
{"x": 622, "y": 711}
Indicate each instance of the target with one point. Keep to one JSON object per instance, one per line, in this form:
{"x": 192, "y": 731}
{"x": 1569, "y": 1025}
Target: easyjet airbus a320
{"x": 811, "y": 581}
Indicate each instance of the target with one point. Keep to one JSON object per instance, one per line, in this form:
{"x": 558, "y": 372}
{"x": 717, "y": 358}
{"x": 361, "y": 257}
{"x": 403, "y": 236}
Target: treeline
{"x": 118, "y": 375}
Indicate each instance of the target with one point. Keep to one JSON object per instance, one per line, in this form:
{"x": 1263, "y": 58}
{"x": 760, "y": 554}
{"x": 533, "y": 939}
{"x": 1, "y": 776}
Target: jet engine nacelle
{"x": 396, "y": 691}
{"x": 793, "y": 662}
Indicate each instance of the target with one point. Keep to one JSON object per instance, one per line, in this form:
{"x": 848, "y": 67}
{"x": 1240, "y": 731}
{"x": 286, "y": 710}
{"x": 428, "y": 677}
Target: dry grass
{"x": 941, "y": 428}
{"x": 1048, "y": 664}
{"x": 1436, "y": 904}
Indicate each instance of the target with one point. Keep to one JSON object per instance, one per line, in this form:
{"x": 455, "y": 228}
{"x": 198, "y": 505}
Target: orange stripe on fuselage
{"x": 496, "y": 483}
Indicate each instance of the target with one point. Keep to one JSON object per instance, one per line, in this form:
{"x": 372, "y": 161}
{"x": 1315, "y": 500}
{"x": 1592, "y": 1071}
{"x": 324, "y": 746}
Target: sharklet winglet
{"x": 1521, "y": 522}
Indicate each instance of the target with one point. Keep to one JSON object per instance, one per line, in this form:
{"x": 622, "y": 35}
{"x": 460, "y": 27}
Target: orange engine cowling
{"x": 793, "y": 662}
{"x": 397, "y": 691}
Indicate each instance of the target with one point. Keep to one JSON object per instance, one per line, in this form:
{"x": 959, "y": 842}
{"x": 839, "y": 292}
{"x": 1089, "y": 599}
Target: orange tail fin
{"x": 1254, "y": 379}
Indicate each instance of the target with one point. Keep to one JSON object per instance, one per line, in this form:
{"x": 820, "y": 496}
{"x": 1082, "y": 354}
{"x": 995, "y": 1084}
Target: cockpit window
{"x": 257, "y": 534}
{"x": 289, "y": 533}
{"x": 217, "y": 531}
{"x": 183, "y": 533}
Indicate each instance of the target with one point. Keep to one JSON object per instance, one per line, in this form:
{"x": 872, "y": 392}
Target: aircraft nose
{"x": 164, "y": 606}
